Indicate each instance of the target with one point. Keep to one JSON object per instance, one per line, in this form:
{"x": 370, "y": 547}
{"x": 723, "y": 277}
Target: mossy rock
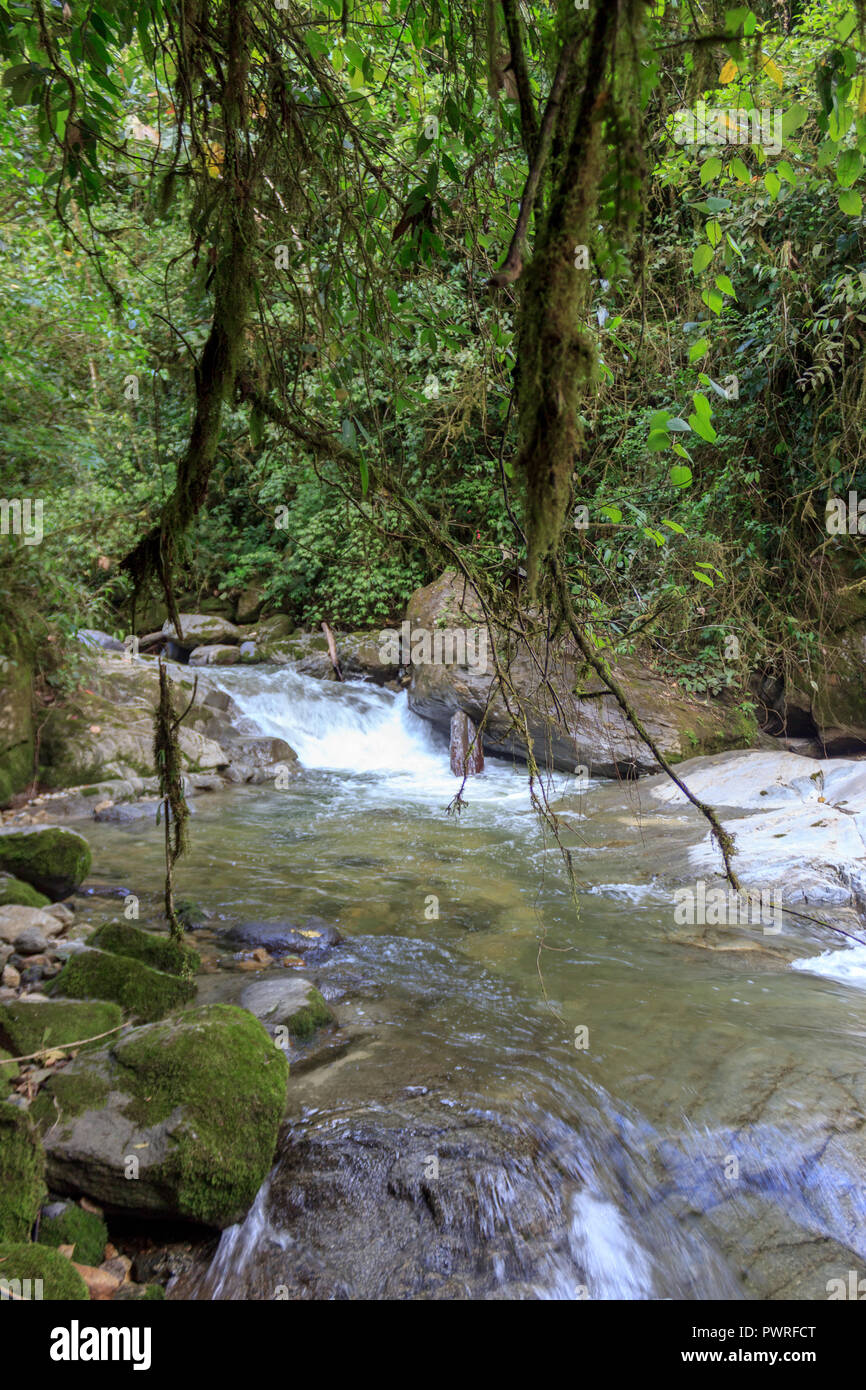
{"x": 29, "y": 1027}
{"x": 22, "y": 1173}
{"x": 219, "y": 1065}
{"x": 159, "y": 952}
{"x": 75, "y": 1226}
{"x": 145, "y": 993}
{"x": 189, "y": 913}
{"x": 60, "y": 1279}
{"x": 66, "y": 1094}
{"x": 52, "y": 859}
{"x": 14, "y": 892}
{"x": 7, "y": 1074}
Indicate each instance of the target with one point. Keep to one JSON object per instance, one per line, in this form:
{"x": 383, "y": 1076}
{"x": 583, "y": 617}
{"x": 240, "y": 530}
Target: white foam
{"x": 847, "y": 965}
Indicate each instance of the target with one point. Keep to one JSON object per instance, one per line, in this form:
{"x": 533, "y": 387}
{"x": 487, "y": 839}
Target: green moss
{"x": 16, "y": 771}
{"x": 315, "y": 1014}
{"x": 75, "y": 1226}
{"x": 29, "y": 1027}
{"x": 147, "y": 994}
{"x": 22, "y": 1173}
{"x": 60, "y": 1279}
{"x": 160, "y": 952}
{"x": 189, "y": 913}
{"x": 7, "y": 1075}
{"x": 67, "y": 1094}
{"x": 15, "y": 893}
{"x": 53, "y": 860}
{"x": 220, "y": 1066}
{"x": 153, "y": 1292}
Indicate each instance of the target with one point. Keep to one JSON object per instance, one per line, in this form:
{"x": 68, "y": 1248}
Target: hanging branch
{"x": 167, "y": 756}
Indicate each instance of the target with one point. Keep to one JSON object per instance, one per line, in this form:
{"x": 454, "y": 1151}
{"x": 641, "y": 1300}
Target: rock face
{"x": 798, "y": 822}
{"x": 196, "y": 1102}
{"x": 51, "y": 859}
{"x": 583, "y": 726}
{"x": 833, "y": 712}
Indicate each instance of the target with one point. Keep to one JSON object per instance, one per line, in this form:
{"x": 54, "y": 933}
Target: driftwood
{"x": 332, "y": 651}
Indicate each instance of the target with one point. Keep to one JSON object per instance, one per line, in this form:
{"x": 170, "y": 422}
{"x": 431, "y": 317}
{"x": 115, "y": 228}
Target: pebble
{"x": 10, "y": 977}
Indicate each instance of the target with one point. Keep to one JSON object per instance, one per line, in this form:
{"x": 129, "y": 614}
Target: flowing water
{"x": 529, "y": 1102}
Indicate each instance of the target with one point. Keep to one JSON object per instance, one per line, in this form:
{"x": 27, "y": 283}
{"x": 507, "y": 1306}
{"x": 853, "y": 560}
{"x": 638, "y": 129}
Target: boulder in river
{"x": 28, "y": 1025}
{"x": 313, "y": 940}
{"x": 573, "y": 719}
{"x": 50, "y": 858}
{"x": 196, "y": 1103}
{"x": 216, "y": 654}
{"x": 287, "y": 1002}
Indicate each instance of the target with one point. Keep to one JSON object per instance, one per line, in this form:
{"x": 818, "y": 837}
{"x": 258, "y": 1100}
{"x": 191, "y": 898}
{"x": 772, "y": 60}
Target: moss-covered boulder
{"x": 187, "y": 1124}
{"x": 74, "y": 1226}
{"x": 29, "y": 1026}
{"x": 145, "y": 993}
{"x": 159, "y": 952}
{"x": 50, "y": 858}
{"x": 61, "y": 1281}
{"x": 22, "y": 1173}
{"x": 14, "y": 892}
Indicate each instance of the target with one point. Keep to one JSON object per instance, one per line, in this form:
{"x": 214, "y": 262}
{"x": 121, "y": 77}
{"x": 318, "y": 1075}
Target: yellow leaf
{"x": 773, "y": 70}
{"x": 310, "y": 933}
{"x": 729, "y": 71}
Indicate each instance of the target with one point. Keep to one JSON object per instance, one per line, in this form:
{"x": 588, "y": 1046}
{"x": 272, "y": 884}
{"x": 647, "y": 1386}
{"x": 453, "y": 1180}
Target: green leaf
{"x": 739, "y": 170}
{"x": 681, "y": 476}
{"x": 704, "y": 578}
{"x": 794, "y": 117}
{"x": 675, "y": 526}
{"x": 713, "y": 230}
{"x": 703, "y": 428}
{"x": 701, "y": 259}
{"x": 702, "y": 405}
{"x": 658, "y": 440}
{"x": 710, "y": 169}
{"x": 848, "y": 167}
{"x": 851, "y": 203}
{"x": 713, "y": 301}
{"x": 698, "y": 349}
{"x": 677, "y": 425}
{"x": 724, "y": 284}
{"x": 772, "y": 183}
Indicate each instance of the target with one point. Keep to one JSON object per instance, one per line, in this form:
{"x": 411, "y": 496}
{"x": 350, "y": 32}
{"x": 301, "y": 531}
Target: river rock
{"x": 51, "y": 859}
{"x": 215, "y": 655}
{"x": 195, "y": 1101}
{"x": 584, "y": 726}
{"x": 202, "y": 629}
{"x": 314, "y": 939}
{"x": 287, "y": 1002}
{"x": 15, "y": 892}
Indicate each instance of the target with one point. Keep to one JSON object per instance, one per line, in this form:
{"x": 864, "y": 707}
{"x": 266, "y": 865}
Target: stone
{"x": 65, "y": 1223}
{"x": 15, "y": 893}
{"x": 215, "y": 655}
{"x": 28, "y": 1025}
{"x": 145, "y": 993}
{"x": 291, "y": 1003}
{"x": 10, "y": 977}
{"x": 92, "y": 637}
{"x": 160, "y": 952}
{"x": 16, "y": 919}
{"x": 584, "y": 726}
{"x": 31, "y": 942}
{"x": 465, "y": 750}
{"x": 52, "y": 859}
{"x": 249, "y": 605}
{"x": 197, "y": 1101}
{"x": 314, "y": 939}
{"x": 202, "y": 629}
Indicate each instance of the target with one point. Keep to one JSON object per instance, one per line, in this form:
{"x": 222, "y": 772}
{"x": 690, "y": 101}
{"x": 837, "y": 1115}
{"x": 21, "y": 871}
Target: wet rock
{"x": 313, "y": 940}
{"x": 215, "y": 655}
{"x": 10, "y": 977}
{"x": 31, "y": 942}
{"x": 291, "y": 1003}
{"x": 126, "y": 812}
